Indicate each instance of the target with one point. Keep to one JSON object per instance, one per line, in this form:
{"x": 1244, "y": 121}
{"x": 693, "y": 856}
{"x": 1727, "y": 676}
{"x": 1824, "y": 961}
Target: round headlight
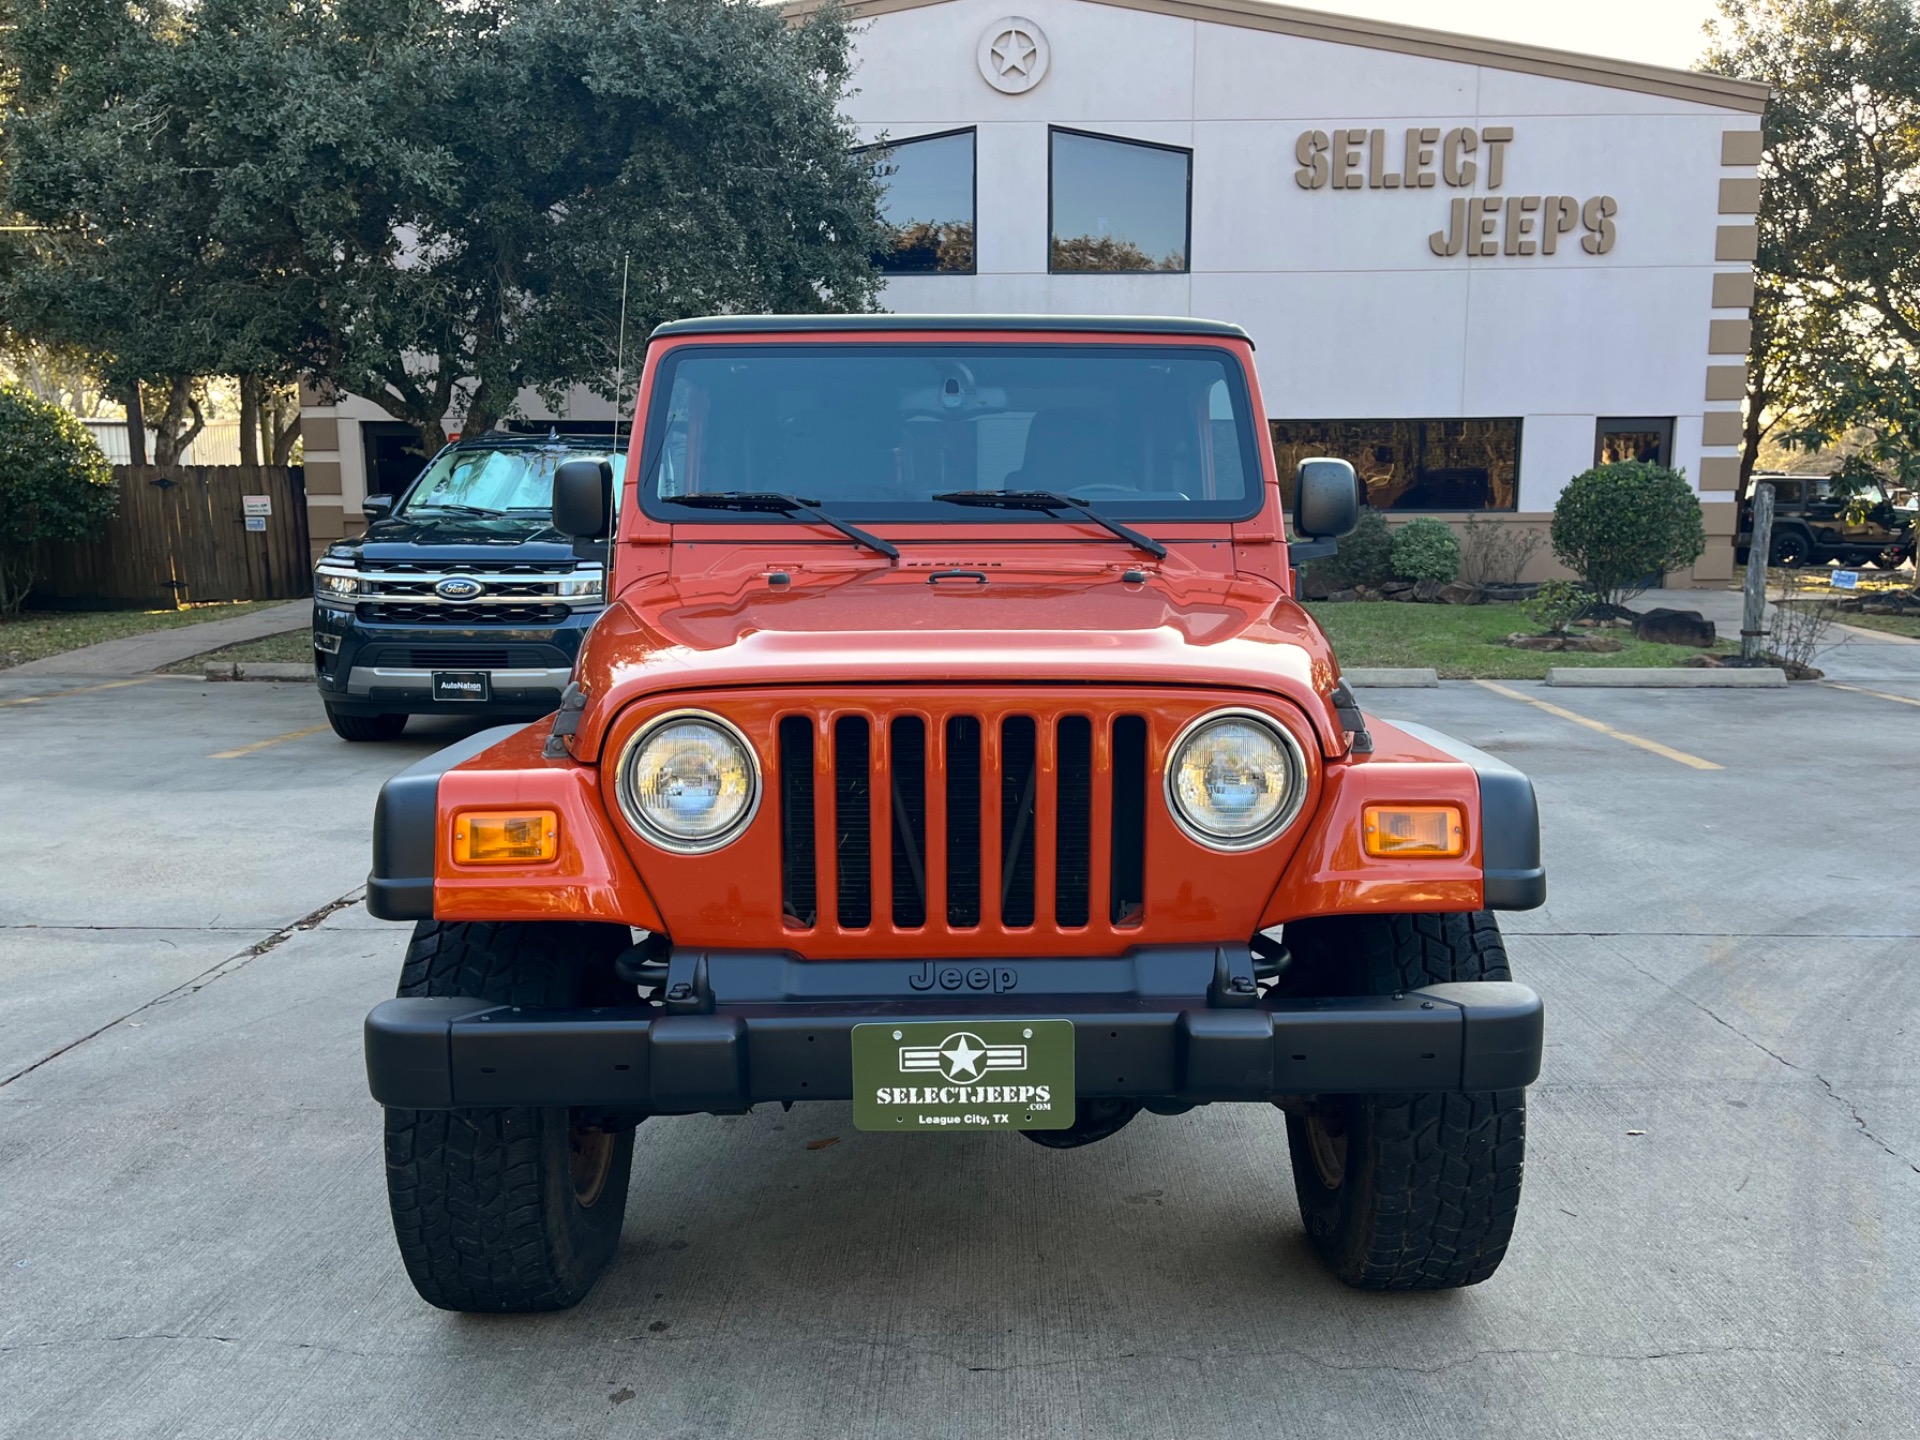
{"x": 1235, "y": 780}
{"x": 689, "y": 782}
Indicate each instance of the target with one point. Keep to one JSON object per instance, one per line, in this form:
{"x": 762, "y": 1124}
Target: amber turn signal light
{"x": 1434, "y": 831}
{"x": 505, "y": 838}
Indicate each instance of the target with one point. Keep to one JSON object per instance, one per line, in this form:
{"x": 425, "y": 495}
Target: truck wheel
{"x": 365, "y": 727}
{"x": 517, "y": 1208}
{"x": 1791, "y": 551}
{"x": 1405, "y": 1192}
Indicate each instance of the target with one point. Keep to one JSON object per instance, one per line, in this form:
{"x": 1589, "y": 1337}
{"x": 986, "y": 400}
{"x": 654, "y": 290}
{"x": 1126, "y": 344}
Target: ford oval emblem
{"x": 458, "y": 587}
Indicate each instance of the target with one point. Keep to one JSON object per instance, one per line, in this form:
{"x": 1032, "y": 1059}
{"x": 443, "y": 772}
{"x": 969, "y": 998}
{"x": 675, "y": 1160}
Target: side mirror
{"x": 377, "y": 507}
{"x": 583, "y": 498}
{"x": 1326, "y": 499}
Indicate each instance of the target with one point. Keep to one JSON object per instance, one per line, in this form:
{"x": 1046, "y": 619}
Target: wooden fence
{"x": 180, "y": 535}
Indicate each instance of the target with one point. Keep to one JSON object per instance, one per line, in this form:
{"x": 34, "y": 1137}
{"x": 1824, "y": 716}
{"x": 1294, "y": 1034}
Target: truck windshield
{"x": 884, "y": 431}
{"x": 510, "y": 479}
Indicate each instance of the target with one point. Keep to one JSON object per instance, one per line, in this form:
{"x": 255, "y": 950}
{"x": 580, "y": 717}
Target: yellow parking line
{"x": 1877, "y": 694}
{"x": 81, "y": 690}
{"x": 263, "y": 744}
{"x": 1667, "y": 751}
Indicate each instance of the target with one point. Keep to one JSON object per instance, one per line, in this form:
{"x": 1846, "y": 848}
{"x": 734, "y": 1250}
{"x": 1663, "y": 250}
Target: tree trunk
{"x": 177, "y": 432}
{"x": 250, "y": 420}
{"x": 283, "y": 439}
{"x": 136, "y": 425}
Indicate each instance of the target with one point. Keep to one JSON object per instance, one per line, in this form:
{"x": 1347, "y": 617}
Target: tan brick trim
{"x": 1739, "y": 197}
{"x": 1720, "y": 472}
{"x": 1733, "y": 290}
{"x": 1742, "y": 147}
{"x": 1726, "y": 382}
{"x": 1736, "y": 242}
{"x": 326, "y": 522}
{"x": 1723, "y": 427}
{"x": 321, "y": 435}
{"x": 1747, "y": 96}
{"x": 1729, "y": 337}
{"x": 1720, "y": 517}
{"x": 323, "y": 477}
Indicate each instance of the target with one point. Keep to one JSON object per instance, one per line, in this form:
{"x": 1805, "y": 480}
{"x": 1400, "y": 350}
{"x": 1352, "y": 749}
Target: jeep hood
{"x": 920, "y": 624}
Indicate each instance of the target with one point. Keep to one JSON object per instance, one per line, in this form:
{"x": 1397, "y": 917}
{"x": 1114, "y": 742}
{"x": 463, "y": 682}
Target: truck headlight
{"x": 583, "y": 585}
{"x": 1235, "y": 779}
{"x": 335, "y": 583}
{"x": 689, "y": 782}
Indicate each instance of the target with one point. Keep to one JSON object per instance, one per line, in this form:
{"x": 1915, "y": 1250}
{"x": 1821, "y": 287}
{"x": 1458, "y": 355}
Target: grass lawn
{"x": 293, "y": 648}
{"x": 1908, "y": 625}
{"x": 1464, "y": 642}
{"x": 37, "y": 634}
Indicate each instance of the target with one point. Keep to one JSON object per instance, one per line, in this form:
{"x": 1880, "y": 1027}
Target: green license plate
{"x": 963, "y": 1075}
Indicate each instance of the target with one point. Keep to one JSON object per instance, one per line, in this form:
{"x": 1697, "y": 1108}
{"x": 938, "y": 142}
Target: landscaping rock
{"x": 1313, "y": 585}
{"x": 1341, "y": 595}
{"x": 1524, "y": 641}
{"x": 1427, "y": 592}
{"x": 1675, "y": 627}
{"x": 1397, "y": 590}
{"x": 1462, "y": 593}
{"x": 1591, "y": 644}
{"x": 1365, "y": 592}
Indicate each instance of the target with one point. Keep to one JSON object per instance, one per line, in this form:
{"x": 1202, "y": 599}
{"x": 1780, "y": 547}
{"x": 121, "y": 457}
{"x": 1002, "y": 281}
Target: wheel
{"x": 365, "y": 727}
{"x": 1791, "y": 550}
{"x": 511, "y": 1209}
{"x": 1405, "y": 1192}
{"x": 1890, "y": 559}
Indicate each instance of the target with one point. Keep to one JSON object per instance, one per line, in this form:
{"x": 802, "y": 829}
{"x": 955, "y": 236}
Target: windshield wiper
{"x": 1049, "y": 502}
{"x": 456, "y": 509}
{"x": 773, "y": 503}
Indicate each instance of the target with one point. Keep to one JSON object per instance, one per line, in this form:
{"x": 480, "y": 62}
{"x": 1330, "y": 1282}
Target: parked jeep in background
{"x": 1816, "y": 520}
{"x": 460, "y": 597}
{"x": 952, "y": 744}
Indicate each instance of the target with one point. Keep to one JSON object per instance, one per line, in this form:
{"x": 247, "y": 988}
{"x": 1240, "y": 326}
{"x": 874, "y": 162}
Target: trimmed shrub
{"x": 1425, "y": 549}
{"x": 1496, "y": 552}
{"x": 1620, "y": 527}
{"x": 1557, "y": 604}
{"x": 54, "y": 485}
{"x": 1365, "y": 557}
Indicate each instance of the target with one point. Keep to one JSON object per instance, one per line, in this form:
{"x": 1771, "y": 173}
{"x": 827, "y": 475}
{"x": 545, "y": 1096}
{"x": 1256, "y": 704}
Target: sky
{"x": 1657, "y": 32}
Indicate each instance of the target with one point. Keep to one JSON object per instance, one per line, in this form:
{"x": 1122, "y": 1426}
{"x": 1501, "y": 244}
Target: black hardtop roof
{"x": 881, "y": 324}
{"x": 519, "y": 439}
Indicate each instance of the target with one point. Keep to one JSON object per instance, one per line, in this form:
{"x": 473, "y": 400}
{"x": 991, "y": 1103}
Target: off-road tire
{"x": 1791, "y": 551}
{"x": 365, "y": 727}
{"x": 487, "y": 1207}
{"x": 1429, "y": 1184}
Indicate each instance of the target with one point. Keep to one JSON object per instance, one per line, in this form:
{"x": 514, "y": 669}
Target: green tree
{"x": 1837, "y": 305}
{"x": 1620, "y": 527}
{"x": 54, "y": 485}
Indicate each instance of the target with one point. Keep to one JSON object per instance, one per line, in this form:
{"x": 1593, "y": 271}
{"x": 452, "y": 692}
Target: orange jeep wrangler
{"x": 952, "y": 744}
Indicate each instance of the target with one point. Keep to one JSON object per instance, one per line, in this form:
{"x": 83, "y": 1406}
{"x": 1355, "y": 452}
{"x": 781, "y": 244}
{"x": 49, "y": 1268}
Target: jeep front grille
{"x": 960, "y": 822}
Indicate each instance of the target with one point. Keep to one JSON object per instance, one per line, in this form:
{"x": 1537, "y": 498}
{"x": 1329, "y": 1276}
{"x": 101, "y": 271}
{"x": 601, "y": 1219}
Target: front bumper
{"x": 376, "y": 668}
{"x": 1147, "y": 1028}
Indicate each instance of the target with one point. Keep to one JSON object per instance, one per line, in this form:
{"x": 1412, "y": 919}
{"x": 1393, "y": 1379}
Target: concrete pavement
{"x": 1719, "y": 1236}
{"x": 143, "y": 654}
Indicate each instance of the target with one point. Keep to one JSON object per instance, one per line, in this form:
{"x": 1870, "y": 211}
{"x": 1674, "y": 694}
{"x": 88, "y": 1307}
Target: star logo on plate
{"x": 1013, "y": 55}
{"x": 962, "y": 1058}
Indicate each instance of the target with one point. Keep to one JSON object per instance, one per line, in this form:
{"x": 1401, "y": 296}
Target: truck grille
{"x": 961, "y": 822}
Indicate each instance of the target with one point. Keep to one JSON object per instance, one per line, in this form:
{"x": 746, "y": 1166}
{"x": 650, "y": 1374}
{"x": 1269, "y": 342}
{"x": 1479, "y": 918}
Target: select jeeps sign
{"x": 1425, "y": 156}
{"x": 963, "y": 1075}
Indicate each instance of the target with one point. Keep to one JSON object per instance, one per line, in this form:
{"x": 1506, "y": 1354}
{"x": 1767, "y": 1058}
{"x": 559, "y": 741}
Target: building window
{"x": 927, "y": 201}
{"x": 1649, "y": 441}
{"x": 1117, "y": 206}
{"x": 1412, "y": 464}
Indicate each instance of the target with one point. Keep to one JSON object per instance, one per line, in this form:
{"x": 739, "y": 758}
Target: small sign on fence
{"x": 257, "y": 522}
{"x": 256, "y": 506}
{"x": 1844, "y": 580}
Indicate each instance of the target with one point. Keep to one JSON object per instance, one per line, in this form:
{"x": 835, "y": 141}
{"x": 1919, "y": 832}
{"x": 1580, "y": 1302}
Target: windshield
{"x": 877, "y": 432}
{"x": 497, "y": 482}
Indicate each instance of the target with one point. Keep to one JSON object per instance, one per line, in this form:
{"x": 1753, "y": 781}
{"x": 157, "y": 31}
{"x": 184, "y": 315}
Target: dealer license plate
{"x": 476, "y": 685}
{"x": 963, "y": 1075}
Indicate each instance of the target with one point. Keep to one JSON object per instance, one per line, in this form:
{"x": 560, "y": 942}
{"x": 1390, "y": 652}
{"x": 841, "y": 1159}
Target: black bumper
{"x": 1147, "y": 1027}
{"x": 405, "y": 818}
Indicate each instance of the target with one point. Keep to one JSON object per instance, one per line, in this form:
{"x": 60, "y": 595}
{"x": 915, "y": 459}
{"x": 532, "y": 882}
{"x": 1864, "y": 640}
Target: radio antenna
{"x": 620, "y": 362}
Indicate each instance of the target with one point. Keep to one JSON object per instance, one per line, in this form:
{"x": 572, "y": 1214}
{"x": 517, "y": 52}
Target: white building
{"x": 1471, "y": 267}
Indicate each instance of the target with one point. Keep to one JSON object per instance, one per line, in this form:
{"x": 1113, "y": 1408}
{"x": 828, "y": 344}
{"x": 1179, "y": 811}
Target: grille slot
{"x": 963, "y": 821}
{"x": 405, "y": 614}
{"x": 1129, "y": 834}
{"x": 853, "y": 822}
{"x": 799, "y": 894}
{"x": 1073, "y": 820}
{"x": 1019, "y": 797}
{"x": 908, "y": 784}
{"x": 451, "y": 659}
